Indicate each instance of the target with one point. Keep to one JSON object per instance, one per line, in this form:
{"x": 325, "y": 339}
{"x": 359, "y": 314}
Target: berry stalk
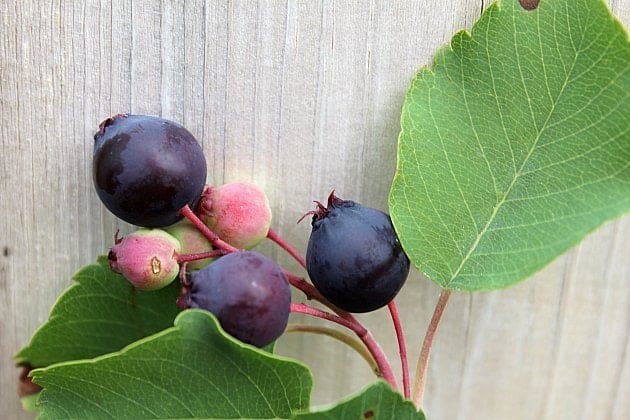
{"x": 305, "y": 287}
{"x": 212, "y": 237}
{"x": 423, "y": 361}
{"x": 273, "y": 235}
{"x": 360, "y": 331}
{"x": 182, "y": 258}
{"x": 402, "y": 347}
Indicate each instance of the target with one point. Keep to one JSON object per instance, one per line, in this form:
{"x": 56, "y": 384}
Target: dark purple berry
{"x": 247, "y": 292}
{"x": 145, "y": 169}
{"x": 354, "y": 257}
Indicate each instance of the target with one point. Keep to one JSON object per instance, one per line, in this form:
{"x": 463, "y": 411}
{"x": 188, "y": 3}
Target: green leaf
{"x": 100, "y": 314}
{"x": 191, "y": 370}
{"x": 377, "y": 401}
{"x": 516, "y": 144}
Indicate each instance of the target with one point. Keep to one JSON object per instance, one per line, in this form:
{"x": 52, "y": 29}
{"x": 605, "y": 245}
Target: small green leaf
{"x": 100, "y": 314}
{"x": 377, "y": 401}
{"x": 516, "y": 144}
{"x": 192, "y": 370}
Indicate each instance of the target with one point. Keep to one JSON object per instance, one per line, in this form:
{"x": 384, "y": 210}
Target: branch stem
{"x": 373, "y": 347}
{"x": 423, "y": 361}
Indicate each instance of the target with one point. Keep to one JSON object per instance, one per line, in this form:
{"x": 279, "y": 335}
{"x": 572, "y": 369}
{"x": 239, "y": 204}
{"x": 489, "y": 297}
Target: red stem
{"x": 212, "y": 237}
{"x": 402, "y": 347}
{"x": 423, "y": 361}
{"x": 312, "y": 293}
{"x": 287, "y": 247}
{"x": 303, "y": 308}
{"x": 305, "y": 287}
{"x": 360, "y": 331}
{"x": 200, "y": 256}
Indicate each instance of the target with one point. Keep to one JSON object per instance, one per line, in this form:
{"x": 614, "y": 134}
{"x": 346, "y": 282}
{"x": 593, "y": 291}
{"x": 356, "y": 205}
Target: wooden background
{"x": 300, "y": 97}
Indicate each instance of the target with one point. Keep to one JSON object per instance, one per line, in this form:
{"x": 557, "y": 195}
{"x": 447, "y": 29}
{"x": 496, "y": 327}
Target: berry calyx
{"x": 247, "y": 292}
{"x": 147, "y": 258}
{"x": 145, "y": 169}
{"x": 354, "y": 257}
{"x": 238, "y": 212}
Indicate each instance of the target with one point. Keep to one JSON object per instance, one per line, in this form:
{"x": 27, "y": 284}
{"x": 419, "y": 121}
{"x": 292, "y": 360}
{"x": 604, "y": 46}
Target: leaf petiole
{"x": 423, "y": 361}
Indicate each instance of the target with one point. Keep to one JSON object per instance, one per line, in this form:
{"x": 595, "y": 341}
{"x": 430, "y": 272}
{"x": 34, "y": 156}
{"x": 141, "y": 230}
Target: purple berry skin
{"x": 145, "y": 169}
{"x": 354, "y": 257}
{"x": 247, "y": 292}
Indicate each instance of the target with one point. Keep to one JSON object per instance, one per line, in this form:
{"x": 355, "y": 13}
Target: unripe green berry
{"x": 192, "y": 242}
{"x": 238, "y": 212}
{"x": 147, "y": 258}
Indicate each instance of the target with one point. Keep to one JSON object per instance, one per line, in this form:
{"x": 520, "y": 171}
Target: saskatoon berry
{"x": 247, "y": 292}
{"x": 192, "y": 242}
{"x": 238, "y": 212}
{"x": 354, "y": 257}
{"x": 147, "y": 258}
{"x": 145, "y": 169}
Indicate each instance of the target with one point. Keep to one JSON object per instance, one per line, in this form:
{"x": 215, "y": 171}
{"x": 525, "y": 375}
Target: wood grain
{"x": 300, "y": 97}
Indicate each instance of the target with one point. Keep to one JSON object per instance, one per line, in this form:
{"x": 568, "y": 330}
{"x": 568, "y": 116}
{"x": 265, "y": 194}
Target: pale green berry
{"x": 192, "y": 242}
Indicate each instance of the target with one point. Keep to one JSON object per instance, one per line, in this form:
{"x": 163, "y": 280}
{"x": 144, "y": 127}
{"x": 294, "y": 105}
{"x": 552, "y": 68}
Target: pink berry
{"x": 147, "y": 258}
{"x": 238, "y": 212}
{"x": 192, "y": 242}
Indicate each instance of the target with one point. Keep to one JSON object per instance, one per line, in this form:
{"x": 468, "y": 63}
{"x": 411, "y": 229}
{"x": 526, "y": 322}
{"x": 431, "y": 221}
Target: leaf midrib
{"x": 517, "y": 174}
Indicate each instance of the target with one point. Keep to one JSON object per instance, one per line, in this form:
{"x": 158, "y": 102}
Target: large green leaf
{"x": 516, "y": 143}
{"x": 100, "y": 314}
{"x": 377, "y": 401}
{"x": 192, "y": 370}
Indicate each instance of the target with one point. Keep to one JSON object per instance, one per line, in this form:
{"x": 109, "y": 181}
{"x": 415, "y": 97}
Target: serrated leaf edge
{"x": 429, "y": 70}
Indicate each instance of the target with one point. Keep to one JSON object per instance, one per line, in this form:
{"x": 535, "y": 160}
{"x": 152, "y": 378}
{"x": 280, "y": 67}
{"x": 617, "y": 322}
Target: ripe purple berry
{"x": 147, "y": 258}
{"x": 145, "y": 169}
{"x": 247, "y": 292}
{"x": 354, "y": 257}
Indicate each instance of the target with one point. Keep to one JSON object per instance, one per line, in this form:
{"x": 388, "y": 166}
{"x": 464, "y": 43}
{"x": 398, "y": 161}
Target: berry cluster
{"x": 151, "y": 172}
